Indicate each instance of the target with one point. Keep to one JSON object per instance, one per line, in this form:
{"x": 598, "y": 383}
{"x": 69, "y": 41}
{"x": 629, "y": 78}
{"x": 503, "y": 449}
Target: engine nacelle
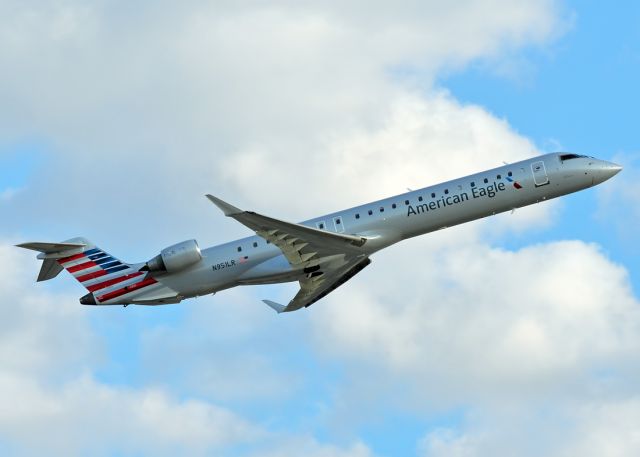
{"x": 176, "y": 257}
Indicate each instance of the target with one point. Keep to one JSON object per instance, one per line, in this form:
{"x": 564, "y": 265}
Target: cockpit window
{"x": 564, "y": 157}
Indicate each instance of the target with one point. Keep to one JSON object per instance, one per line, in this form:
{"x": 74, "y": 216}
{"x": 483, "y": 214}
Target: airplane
{"x": 321, "y": 253}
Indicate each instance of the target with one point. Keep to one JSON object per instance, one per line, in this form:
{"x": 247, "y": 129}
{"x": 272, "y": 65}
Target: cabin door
{"x": 540, "y": 177}
{"x": 338, "y": 224}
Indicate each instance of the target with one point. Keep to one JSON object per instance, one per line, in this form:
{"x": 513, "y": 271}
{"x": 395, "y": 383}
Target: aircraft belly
{"x": 201, "y": 280}
{"x": 274, "y": 270}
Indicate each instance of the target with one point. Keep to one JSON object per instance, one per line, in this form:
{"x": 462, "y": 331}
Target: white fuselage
{"x": 254, "y": 261}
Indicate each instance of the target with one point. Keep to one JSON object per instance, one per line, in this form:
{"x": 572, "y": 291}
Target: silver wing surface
{"x": 326, "y": 259}
{"x": 49, "y": 252}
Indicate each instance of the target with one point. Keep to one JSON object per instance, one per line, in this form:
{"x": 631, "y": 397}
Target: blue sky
{"x": 581, "y": 90}
{"x": 516, "y": 335}
{"x": 580, "y": 95}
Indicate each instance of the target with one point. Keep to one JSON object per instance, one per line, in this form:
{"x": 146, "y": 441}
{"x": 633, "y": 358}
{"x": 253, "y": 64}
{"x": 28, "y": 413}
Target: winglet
{"x": 227, "y": 209}
{"x": 275, "y": 306}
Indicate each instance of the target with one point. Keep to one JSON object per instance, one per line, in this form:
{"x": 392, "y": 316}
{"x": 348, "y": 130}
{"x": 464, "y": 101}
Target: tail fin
{"x": 49, "y": 253}
{"x": 108, "y": 280}
{"x": 83, "y": 260}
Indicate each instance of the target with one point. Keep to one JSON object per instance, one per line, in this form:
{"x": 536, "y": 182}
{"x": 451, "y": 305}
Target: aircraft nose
{"x": 607, "y": 170}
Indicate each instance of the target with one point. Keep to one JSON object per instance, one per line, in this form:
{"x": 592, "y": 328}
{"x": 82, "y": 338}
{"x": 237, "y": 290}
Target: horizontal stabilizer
{"x": 275, "y": 306}
{"x": 50, "y": 253}
{"x": 51, "y": 248}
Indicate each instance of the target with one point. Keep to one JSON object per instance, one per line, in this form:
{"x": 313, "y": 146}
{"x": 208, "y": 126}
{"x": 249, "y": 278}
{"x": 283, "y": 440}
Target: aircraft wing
{"x": 327, "y": 259}
{"x": 298, "y": 243}
{"x": 313, "y": 288}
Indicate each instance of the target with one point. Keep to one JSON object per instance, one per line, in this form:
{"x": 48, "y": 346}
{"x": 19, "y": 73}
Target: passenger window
{"x": 382, "y": 209}
{"x": 321, "y": 226}
{"x": 509, "y": 174}
{"x": 406, "y": 202}
{"x": 473, "y": 184}
{"x": 394, "y": 206}
{"x": 499, "y": 177}
{"x": 357, "y": 216}
{"x": 370, "y": 212}
{"x": 338, "y": 221}
{"x": 255, "y": 245}
{"x": 446, "y": 191}
{"x": 420, "y": 198}
{"x": 239, "y": 248}
{"x": 486, "y": 180}
{"x": 433, "y": 195}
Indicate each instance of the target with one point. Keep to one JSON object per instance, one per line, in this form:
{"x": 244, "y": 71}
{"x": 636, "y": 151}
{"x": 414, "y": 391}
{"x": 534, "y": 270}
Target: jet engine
{"x": 175, "y": 258}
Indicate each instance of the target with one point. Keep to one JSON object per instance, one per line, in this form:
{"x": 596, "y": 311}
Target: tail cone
{"x": 88, "y": 299}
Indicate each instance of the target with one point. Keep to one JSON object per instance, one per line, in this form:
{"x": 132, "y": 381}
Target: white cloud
{"x": 147, "y": 109}
{"x": 535, "y": 347}
{"x": 469, "y": 324}
{"x": 85, "y": 417}
{"x": 606, "y": 427}
{"x": 238, "y": 99}
{"x": 42, "y": 333}
{"x": 48, "y": 352}
{"x": 444, "y": 442}
{"x": 406, "y": 149}
{"x": 220, "y": 337}
{"x": 310, "y": 447}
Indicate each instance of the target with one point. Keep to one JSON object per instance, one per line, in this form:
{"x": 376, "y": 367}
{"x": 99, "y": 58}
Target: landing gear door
{"x": 540, "y": 177}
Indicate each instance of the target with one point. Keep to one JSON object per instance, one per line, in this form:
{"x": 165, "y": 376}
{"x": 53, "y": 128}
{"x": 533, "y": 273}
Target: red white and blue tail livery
{"x": 321, "y": 253}
{"x": 108, "y": 280}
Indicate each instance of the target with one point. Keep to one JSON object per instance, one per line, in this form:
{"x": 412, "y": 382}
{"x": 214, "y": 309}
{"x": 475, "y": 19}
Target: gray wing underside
{"x": 328, "y": 259}
{"x": 313, "y": 289}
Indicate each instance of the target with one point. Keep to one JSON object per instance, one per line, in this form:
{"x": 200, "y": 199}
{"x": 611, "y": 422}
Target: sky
{"x": 514, "y": 335}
